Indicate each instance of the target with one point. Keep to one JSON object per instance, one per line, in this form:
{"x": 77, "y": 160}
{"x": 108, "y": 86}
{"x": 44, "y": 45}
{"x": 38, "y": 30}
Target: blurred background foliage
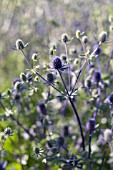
{"x": 41, "y": 23}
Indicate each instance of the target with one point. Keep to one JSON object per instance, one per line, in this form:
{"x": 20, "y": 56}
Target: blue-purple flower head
{"x": 97, "y": 76}
{"x": 57, "y": 63}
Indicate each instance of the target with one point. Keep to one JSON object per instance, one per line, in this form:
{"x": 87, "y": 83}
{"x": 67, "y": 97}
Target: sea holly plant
{"x": 46, "y": 92}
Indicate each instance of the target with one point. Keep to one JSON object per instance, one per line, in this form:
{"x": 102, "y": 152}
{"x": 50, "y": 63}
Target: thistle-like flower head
{"x": 57, "y": 63}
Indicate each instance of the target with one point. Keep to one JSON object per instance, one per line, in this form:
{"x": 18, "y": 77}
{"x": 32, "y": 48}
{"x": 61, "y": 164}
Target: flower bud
{"x": 61, "y": 141}
{"x": 90, "y": 125}
{"x": 35, "y": 57}
{"x": 8, "y": 131}
{"x": 66, "y": 131}
{"x": 17, "y": 85}
{"x": 41, "y": 108}
{"x": 94, "y": 93}
{"x": 65, "y": 38}
{"x": 64, "y": 57}
{"x": 50, "y": 77}
{"x": 78, "y": 34}
{"x": 19, "y": 44}
{"x": 36, "y": 78}
{"x": 102, "y": 36}
{"x": 9, "y": 92}
{"x": 29, "y": 76}
{"x": 85, "y": 39}
{"x": 107, "y": 135}
{"x": 111, "y": 18}
{"x": 111, "y": 28}
{"x": 76, "y": 61}
{"x": 23, "y": 77}
{"x": 88, "y": 83}
{"x": 97, "y": 76}
{"x": 57, "y": 63}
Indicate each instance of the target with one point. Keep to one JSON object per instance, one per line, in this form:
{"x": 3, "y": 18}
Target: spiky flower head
{"x": 57, "y": 63}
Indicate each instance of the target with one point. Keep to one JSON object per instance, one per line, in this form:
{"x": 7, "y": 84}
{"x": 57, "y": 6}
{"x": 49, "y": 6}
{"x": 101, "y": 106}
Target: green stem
{"x": 75, "y": 111}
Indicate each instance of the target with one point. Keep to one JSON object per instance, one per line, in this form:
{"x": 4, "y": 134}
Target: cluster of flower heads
{"x": 54, "y": 146}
